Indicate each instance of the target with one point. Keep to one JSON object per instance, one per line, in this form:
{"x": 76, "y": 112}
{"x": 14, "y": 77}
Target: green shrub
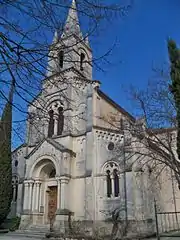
{"x": 12, "y": 224}
{"x": 15, "y": 224}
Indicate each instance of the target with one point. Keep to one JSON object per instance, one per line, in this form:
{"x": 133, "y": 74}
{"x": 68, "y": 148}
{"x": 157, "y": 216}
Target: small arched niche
{"x": 82, "y": 60}
{"x": 61, "y": 58}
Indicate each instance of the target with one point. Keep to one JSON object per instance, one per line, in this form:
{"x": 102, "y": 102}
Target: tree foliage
{"x": 174, "y": 56}
{"x": 5, "y": 158}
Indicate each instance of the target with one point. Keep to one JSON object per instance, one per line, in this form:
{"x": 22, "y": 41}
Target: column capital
{"x": 112, "y": 176}
{"x": 30, "y": 181}
{"x": 37, "y": 179}
{"x": 58, "y": 178}
{"x": 26, "y": 182}
{"x": 55, "y": 117}
{"x": 64, "y": 179}
{"x": 38, "y": 182}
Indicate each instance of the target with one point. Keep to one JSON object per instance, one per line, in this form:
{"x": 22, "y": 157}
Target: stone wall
{"x": 104, "y": 230}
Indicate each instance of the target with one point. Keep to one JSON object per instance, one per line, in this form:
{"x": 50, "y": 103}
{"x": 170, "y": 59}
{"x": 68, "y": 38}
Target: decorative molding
{"x": 28, "y": 181}
{"x": 110, "y": 165}
{"x": 118, "y": 131}
{"x": 110, "y": 136}
{"x": 71, "y": 134}
{"x": 64, "y": 178}
{"x": 20, "y": 148}
{"x": 81, "y": 139}
{"x": 78, "y": 83}
{"x": 55, "y": 144}
{"x": 100, "y": 175}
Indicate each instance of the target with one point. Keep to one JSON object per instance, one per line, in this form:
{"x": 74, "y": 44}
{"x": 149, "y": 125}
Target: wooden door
{"x": 52, "y": 204}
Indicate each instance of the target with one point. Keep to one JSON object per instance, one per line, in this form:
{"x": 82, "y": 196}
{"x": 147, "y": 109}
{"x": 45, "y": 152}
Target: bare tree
{"x": 26, "y": 31}
{"x": 150, "y": 139}
{"x": 156, "y": 132}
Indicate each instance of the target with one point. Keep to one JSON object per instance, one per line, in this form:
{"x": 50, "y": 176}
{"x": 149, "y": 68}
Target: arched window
{"x": 15, "y": 182}
{"x": 51, "y": 123}
{"x": 82, "y": 57}
{"x": 61, "y": 59}
{"x": 60, "y": 121}
{"x": 109, "y": 185}
{"x": 112, "y": 179}
{"x": 16, "y": 163}
{"x": 56, "y": 118}
{"x": 116, "y": 183}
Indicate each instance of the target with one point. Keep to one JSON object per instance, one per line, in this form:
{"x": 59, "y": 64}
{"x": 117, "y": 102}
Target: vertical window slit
{"x": 109, "y": 187}
{"x": 51, "y": 124}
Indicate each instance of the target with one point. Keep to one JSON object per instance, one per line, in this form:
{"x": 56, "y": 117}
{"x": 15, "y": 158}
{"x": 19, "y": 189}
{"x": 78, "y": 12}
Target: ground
{"x": 162, "y": 238}
{"x": 5, "y": 237}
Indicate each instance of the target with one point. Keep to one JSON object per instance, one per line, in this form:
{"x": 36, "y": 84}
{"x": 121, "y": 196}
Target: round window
{"x": 111, "y": 146}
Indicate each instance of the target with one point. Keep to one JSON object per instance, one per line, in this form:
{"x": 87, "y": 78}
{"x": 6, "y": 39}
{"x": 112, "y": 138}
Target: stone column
{"x": 34, "y": 198}
{"x": 62, "y": 214}
{"x": 19, "y": 199}
{"x": 40, "y": 195}
{"x": 43, "y": 188}
{"x": 138, "y": 195}
{"x": 119, "y": 177}
{"x": 63, "y": 200}
{"x": 14, "y": 193}
{"x": 112, "y": 185}
{"x": 26, "y": 195}
{"x": 58, "y": 193}
{"x": 30, "y": 194}
{"x": 105, "y": 186}
{"x": 121, "y": 185}
{"x": 37, "y": 184}
{"x": 55, "y": 125}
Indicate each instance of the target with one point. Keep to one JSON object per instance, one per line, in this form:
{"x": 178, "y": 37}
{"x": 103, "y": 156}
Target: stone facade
{"x": 73, "y": 160}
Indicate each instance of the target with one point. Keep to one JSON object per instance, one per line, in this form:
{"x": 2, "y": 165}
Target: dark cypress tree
{"x": 174, "y": 57}
{"x": 5, "y": 158}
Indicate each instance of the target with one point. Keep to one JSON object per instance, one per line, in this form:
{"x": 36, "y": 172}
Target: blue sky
{"x": 140, "y": 45}
{"x": 141, "y": 37}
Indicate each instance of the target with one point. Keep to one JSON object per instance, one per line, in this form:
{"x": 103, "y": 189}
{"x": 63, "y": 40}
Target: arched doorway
{"x": 48, "y": 174}
{"x": 44, "y": 191}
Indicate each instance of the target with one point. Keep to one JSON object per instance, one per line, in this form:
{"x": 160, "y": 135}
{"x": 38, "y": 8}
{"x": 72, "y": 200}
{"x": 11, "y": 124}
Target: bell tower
{"x": 70, "y": 50}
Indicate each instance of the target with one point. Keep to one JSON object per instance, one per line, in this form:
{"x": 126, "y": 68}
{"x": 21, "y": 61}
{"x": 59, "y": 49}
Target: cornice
{"x": 110, "y": 136}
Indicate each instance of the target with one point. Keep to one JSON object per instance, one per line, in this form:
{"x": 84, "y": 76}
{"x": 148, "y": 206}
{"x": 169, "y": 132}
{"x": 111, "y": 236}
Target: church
{"x": 74, "y": 163}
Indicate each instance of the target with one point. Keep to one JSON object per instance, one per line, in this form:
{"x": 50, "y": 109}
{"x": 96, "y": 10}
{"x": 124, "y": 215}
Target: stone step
{"x": 39, "y": 227}
{"x": 28, "y": 233}
{"x": 40, "y": 231}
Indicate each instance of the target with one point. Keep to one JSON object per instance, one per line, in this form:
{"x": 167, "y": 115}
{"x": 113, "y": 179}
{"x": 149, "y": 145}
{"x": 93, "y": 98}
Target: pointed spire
{"x": 72, "y": 25}
{"x": 55, "y": 38}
